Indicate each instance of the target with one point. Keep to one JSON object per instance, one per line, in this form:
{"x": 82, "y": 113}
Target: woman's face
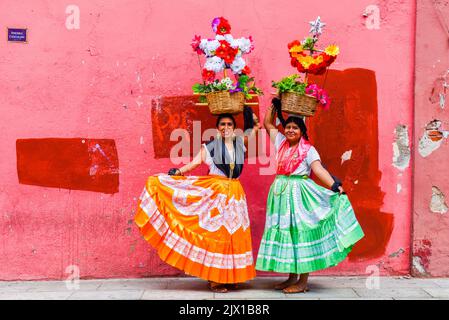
{"x": 226, "y": 127}
{"x": 292, "y": 132}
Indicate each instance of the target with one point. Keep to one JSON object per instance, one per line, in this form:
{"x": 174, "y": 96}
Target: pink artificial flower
{"x": 313, "y": 90}
{"x": 320, "y": 94}
{"x": 196, "y": 44}
{"x": 325, "y": 101}
{"x": 252, "y": 44}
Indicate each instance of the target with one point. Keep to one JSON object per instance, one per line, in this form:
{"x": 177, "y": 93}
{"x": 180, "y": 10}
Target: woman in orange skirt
{"x": 200, "y": 224}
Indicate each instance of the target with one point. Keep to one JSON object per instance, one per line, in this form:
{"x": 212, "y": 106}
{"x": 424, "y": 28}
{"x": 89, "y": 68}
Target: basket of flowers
{"x": 224, "y": 53}
{"x": 298, "y": 95}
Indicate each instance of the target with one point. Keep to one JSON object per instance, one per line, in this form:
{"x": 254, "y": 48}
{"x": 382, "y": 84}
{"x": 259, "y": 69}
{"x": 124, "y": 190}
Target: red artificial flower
{"x": 208, "y": 75}
{"x": 300, "y": 68}
{"x": 294, "y": 62}
{"x": 246, "y": 70}
{"x": 226, "y": 52}
{"x": 293, "y": 43}
{"x": 320, "y": 71}
{"x": 331, "y": 60}
{"x": 223, "y": 27}
{"x": 312, "y": 68}
{"x": 196, "y": 44}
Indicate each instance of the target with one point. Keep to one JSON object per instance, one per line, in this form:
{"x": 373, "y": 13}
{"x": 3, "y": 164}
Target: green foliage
{"x": 290, "y": 84}
{"x": 210, "y": 87}
{"x": 309, "y": 43}
{"x": 244, "y": 84}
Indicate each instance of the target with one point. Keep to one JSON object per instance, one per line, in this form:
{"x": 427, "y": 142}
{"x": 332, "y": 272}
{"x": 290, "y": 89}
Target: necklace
{"x": 232, "y": 164}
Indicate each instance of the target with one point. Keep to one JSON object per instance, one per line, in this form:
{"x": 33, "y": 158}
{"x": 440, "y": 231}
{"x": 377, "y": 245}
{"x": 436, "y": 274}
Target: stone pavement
{"x": 321, "y": 288}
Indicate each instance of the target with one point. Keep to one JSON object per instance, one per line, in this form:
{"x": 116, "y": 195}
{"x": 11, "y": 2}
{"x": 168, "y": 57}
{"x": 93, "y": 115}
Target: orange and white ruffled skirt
{"x": 198, "y": 224}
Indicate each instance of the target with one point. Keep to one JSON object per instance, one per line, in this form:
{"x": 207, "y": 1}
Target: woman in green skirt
{"x": 308, "y": 227}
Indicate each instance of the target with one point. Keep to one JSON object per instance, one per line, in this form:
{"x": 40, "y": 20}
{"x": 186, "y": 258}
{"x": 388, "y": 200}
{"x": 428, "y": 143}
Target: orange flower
{"x": 332, "y": 50}
{"x": 305, "y": 61}
{"x": 296, "y": 51}
{"x": 318, "y": 59}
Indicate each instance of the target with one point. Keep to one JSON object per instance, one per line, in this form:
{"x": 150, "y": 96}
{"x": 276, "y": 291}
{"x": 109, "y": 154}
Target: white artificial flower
{"x": 229, "y": 38}
{"x": 238, "y": 65}
{"x": 203, "y": 44}
{"x": 209, "y": 46}
{"x": 234, "y": 43}
{"x": 214, "y": 64}
{"x": 219, "y": 37}
{"x": 228, "y": 82}
{"x": 244, "y": 44}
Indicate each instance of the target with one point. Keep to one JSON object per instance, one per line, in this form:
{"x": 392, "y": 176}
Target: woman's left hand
{"x": 340, "y": 189}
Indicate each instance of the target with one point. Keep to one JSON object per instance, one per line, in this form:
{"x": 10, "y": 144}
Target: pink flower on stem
{"x": 196, "y": 44}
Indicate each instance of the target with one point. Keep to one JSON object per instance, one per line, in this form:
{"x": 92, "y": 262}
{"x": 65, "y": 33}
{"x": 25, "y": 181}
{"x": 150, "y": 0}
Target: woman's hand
{"x": 340, "y": 189}
{"x": 174, "y": 172}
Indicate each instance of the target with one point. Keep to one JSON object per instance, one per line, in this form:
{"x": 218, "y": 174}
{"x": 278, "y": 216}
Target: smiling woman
{"x": 200, "y": 224}
{"x": 308, "y": 227}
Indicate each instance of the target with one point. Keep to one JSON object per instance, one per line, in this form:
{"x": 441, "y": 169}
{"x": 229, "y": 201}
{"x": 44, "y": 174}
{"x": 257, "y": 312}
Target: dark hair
{"x": 299, "y": 122}
{"x": 225, "y": 115}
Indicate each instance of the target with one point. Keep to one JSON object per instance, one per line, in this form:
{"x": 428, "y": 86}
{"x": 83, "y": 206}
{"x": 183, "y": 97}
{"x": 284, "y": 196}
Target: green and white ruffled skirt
{"x": 308, "y": 227}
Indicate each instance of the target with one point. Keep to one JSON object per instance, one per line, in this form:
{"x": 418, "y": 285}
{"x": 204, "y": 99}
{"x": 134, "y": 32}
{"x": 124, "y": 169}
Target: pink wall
{"x": 99, "y": 82}
{"x": 431, "y": 175}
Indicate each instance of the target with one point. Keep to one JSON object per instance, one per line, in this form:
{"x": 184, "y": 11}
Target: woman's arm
{"x": 268, "y": 123}
{"x": 323, "y": 174}
{"x": 197, "y": 160}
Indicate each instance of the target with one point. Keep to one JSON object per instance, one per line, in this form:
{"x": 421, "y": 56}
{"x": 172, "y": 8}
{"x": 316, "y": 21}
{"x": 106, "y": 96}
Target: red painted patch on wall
{"x": 77, "y": 164}
{"x": 351, "y": 124}
{"x": 180, "y": 112}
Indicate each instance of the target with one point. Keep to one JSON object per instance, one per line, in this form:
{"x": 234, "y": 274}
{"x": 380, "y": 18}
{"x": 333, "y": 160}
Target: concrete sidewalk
{"x": 321, "y": 288}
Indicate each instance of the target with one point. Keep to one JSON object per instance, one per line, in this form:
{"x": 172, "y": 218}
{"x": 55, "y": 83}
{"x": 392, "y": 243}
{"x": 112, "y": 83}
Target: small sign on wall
{"x": 18, "y": 35}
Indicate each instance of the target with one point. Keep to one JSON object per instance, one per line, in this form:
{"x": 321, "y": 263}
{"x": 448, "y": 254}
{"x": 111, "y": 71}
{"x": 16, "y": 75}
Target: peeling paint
{"x": 422, "y": 251}
{"x": 417, "y": 265}
{"x": 432, "y": 138}
{"x": 397, "y": 253}
{"x": 398, "y": 188}
{"x": 346, "y": 156}
{"x": 438, "y": 201}
{"x": 401, "y": 148}
{"x": 439, "y": 90}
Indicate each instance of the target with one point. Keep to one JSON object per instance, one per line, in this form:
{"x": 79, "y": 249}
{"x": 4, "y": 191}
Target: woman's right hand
{"x": 174, "y": 172}
{"x": 276, "y": 102}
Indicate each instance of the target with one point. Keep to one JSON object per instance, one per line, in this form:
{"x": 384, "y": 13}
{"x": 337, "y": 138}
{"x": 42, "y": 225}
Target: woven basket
{"x": 225, "y": 102}
{"x": 301, "y": 104}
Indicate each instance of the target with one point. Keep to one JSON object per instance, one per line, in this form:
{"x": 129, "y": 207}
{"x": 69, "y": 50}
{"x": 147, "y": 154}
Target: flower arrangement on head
{"x": 224, "y": 52}
{"x": 308, "y": 59}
